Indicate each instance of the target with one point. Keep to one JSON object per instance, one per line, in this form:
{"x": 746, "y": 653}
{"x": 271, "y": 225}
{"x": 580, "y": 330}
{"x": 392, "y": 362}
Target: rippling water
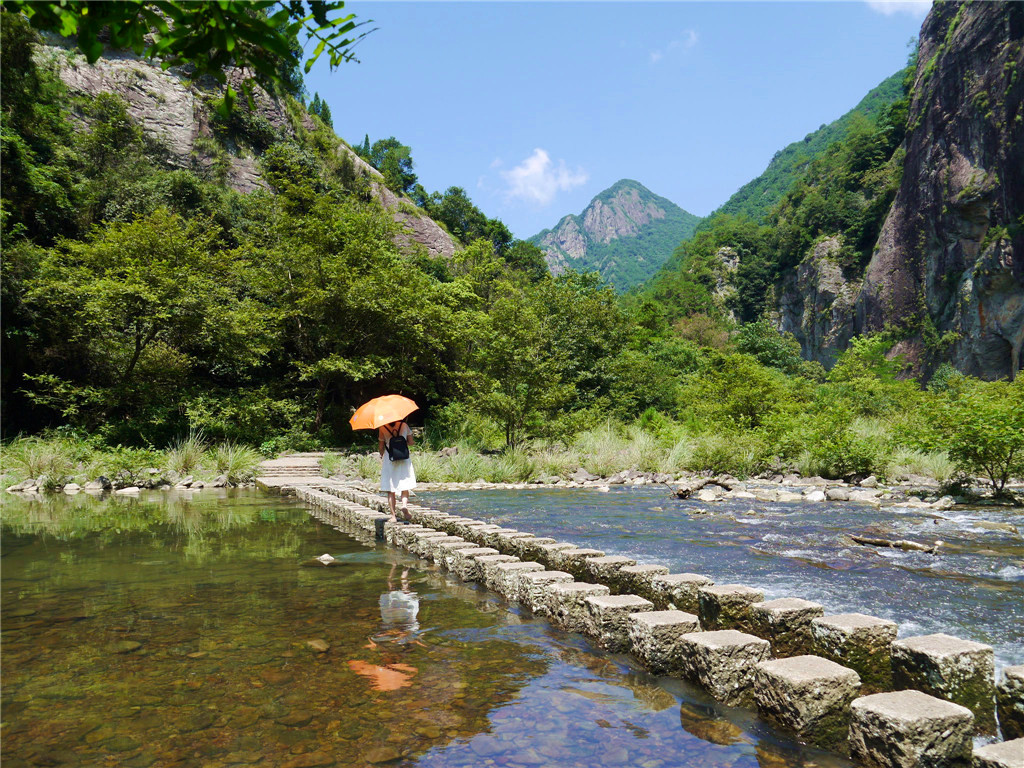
{"x": 181, "y": 630}
{"x": 973, "y": 588}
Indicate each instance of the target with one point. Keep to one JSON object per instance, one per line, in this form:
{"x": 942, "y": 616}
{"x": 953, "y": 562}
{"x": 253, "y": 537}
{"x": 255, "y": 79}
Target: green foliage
{"x": 394, "y": 160}
{"x": 769, "y": 347}
{"x": 981, "y": 426}
{"x": 239, "y": 463}
{"x": 837, "y": 449}
{"x": 260, "y": 36}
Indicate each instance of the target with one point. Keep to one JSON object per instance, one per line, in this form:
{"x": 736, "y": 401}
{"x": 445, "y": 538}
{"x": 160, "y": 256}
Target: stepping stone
{"x": 637, "y": 579}
{"x": 548, "y": 553}
{"x": 678, "y": 591}
{"x": 534, "y": 589}
{"x": 464, "y": 564}
{"x": 574, "y": 561}
{"x": 444, "y": 552}
{"x": 724, "y": 662}
{"x": 567, "y": 605}
{"x": 605, "y": 570}
{"x": 483, "y": 561}
{"x": 609, "y": 619}
{"x": 1010, "y": 702}
{"x": 809, "y": 695}
{"x": 1004, "y": 754}
{"x": 503, "y": 577}
{"x": 958, "y": 670}
{"x": 860, "y": 642}
{"x": 786, "y": 624}
{"x": 910, "y": 729}
{"x": 432, "y": 545}
{"x": 727, "y": 606}
{"x": 526, "y": 548}
{"x": 656, "y": 639}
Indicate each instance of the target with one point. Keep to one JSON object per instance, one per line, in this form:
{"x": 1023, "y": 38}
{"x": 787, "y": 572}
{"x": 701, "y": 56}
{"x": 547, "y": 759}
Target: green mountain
{"x": 626, "y": 233}
{"x": 757, "y": 197}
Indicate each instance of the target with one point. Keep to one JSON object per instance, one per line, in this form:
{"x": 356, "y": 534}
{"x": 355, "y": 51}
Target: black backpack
{"x": 397, "y": 446}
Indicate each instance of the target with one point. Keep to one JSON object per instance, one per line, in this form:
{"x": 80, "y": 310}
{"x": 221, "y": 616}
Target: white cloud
{"x": 537, "y": 179}
{"x": 688, "y": 40}
{"x": 892, "y": 7}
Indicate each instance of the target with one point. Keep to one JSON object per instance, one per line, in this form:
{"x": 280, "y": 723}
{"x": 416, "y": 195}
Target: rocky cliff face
{"x": 175, "y": 113}
{"x": 949, "y": 262}
{"x": 950, "y": 257}
{"x": 626, "y": 233}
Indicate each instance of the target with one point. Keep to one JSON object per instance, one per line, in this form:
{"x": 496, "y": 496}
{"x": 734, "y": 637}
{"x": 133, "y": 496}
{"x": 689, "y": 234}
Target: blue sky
{"x": 536, "y": 107}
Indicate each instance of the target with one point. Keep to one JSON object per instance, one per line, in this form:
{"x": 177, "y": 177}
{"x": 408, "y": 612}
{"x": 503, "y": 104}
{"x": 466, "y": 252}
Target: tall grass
{"x": 52, "y": 462}
{"x": 905, "y": 461}
{"x": 186, "y": 454}
{"x": 239, "y": 463}
{"x": 331, "y": 464}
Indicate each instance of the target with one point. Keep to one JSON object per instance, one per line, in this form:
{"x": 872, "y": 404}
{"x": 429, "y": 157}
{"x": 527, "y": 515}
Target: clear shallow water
{"x": 174, "y": 631}
{"x": 973, "y": 588}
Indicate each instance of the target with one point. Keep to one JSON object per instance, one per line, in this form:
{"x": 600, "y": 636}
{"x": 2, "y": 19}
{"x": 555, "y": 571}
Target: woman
{"x": 396, "y": 476}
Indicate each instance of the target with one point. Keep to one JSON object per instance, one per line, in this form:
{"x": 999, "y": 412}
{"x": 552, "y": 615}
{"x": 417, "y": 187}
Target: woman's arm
{"x": 380, "y": 443}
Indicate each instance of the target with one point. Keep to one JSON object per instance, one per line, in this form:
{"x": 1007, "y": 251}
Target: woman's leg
{"x": 405, "y": 505}
{"x": 391, "y": 505}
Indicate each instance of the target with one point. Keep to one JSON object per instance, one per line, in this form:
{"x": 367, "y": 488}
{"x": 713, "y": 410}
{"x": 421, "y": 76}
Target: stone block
{"x": 609, "y": 619}
{"x": 786, "y": 624}
{"x": 910, "y": 729}
{"x": 809, "y": 695}
{"x": 464, "y": 564}
{"x": 548, "y": 553}
{"x": 574, "y": 561}
{"x": 727, "y": 606}
{"x": 860, "y": 642}
{"x": 1003, "y": 754}
{"x": 958, "y": 670}
{"x": 504, "y": 577}
{"x": 678, "y": 591}
{"x": 567, "y": 607}
{"x": 491, "y": 538}
{"x": 485, "y": 561}
{"x": 1010, "y": 702}
{"x": 605, "y": 570}
{"x": 420, "y": 542}
{"x": 656, "y": 639}
{"x": 526, "y": 548}
{"x": 534, "y": 586}
{"x": 724, "y": 663}
{"x": 404, "y": 534}
{"x": 444, "y": 552}
{"x": 431, "y": 545}
{"x": 637, "y": 579}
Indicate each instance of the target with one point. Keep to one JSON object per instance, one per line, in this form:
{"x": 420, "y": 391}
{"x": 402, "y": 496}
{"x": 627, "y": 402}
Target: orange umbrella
{"x": 381, "y": 410}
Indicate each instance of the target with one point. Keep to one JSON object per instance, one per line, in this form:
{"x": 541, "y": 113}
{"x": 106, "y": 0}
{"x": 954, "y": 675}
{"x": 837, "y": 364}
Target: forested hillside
{"x": 909, "y": 224}
{"x": 625, "y": 234}
{"x": 758, "y": 197}
{"x": 173, "y": 267}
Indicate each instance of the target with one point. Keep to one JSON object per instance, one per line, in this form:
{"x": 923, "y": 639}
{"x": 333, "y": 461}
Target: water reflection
{"x": 196, "y": 637}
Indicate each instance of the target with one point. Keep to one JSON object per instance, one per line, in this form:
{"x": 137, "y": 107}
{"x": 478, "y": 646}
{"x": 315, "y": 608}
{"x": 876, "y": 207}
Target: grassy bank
{"x": 654, "y": 445}
{"x": 57, "y": 461}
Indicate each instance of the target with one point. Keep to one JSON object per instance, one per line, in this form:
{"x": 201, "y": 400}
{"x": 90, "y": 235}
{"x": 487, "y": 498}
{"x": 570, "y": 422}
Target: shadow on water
{"x": 176, "y": 631}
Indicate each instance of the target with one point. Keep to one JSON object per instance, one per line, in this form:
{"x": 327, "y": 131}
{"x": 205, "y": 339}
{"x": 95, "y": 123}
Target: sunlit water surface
{"x": 973, "y": 588}
{"x": 178, "y": 630}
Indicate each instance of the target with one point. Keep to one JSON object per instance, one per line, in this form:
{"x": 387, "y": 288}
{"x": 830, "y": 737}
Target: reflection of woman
{"x": 399, "y": 607}
{"x": 396, "y": 476}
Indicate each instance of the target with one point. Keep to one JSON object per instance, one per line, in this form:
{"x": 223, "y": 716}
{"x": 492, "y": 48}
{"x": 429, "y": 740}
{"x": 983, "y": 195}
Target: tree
{"x": 981, "y": 425}
{"x": 394, "y": 160}
{"x": 260, "y": 36}
{"x": 320, "y": 108}
{"x": 769, "y": 346}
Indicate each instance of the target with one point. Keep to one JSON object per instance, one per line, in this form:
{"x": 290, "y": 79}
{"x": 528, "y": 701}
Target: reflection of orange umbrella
{"x": 381, "y": 410}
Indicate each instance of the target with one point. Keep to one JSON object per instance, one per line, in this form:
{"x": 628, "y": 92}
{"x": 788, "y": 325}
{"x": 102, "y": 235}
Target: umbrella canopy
{"x": 381, "y": 410}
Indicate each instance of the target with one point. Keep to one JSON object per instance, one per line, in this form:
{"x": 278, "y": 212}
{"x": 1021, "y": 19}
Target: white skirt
{"x": 396, "y": 476}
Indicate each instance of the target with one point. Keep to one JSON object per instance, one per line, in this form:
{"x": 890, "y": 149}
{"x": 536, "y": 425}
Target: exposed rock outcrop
{"x": 816, "y": 303}
{"x": 176, "y": 113}
{"x": 950, "y": 256}
{"x": 626, "y": 233}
